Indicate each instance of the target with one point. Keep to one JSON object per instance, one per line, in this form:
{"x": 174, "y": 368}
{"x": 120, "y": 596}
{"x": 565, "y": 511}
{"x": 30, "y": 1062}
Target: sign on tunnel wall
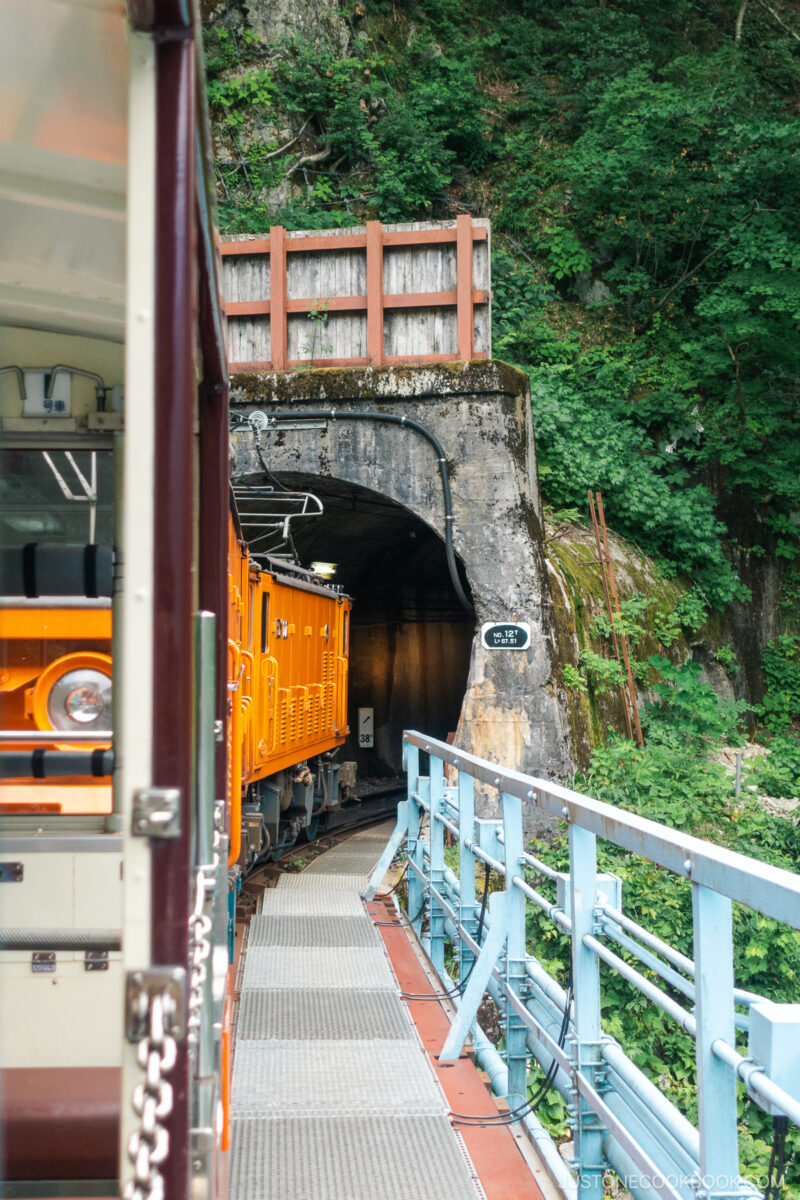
{"x": 506, "y": 635}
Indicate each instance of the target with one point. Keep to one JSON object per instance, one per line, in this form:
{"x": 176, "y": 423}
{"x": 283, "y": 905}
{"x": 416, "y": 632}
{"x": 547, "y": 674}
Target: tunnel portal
{"x": 410, "y": 637}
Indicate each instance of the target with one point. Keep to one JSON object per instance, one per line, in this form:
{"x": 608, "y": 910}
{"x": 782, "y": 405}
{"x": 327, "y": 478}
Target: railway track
{"x": 373, "y": 810}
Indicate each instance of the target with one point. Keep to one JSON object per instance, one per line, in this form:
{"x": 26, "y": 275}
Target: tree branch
{"x": 780, "y": 20}
{"x": 283, "y": 149}
{"x": 740, "y": 21}
{"x": 309, "y": 158}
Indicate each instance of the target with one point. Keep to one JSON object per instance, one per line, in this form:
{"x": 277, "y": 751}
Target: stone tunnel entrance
{"x": 420, "y": 662}
{"x": 411, "y": 639}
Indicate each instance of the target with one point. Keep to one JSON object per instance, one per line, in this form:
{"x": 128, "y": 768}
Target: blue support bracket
{"x": 516, "y": 976}
{"x": 399, "y": 835}
{"x": 416, "y": 853}
{"x": 437, "y": 863}
{"x": 587, "y": 1060}
{"x": 620, "y": 1118}
{"x": 467, "y": 914}
{"x": 716, "y": 1082}
{"x": 481, "y": 973}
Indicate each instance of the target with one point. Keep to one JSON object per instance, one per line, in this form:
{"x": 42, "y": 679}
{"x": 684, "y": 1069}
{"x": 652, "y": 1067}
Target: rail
{"x": 620, "y": 1119}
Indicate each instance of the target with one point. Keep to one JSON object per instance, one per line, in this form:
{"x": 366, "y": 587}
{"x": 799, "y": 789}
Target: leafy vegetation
{"x": 641, "y": 169}
{"x": 673, "y": 780}
{"x": 641, "y": 166}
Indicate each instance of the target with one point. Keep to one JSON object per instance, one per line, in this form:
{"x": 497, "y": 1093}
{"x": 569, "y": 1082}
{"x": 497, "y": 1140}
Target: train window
{"x": 264, "y": 620}
{"x": 56, "y": 496}
{"x": 346, "y": 637}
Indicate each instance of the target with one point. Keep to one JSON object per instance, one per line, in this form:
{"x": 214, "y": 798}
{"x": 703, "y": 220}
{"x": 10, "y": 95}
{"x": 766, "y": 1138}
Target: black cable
{"x": 392, "y": 890}
{"x": 458, "y": 990}
{"x": 530, "y": 1106}
{"x": 777, "y": 1158}
{"x": 335, "y": 414}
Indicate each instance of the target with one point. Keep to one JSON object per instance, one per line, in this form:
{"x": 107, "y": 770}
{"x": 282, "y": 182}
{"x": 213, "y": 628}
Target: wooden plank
{"x": 390, "y": 360}
{"x": 375, "y": 292}
{"x": 247, "y": 308}
{"x": 328, "y": 304}
{"x": 423, "y": 237}
{"x": 328, "y": 362}
{"x": 277, "y": 317}
{"x": 464, "y": 286}
{"x": 252, "y": 308}
{"x": 338, "y": 241}
{"x": 430, "y": 299}
{"x": 354, "y": 241}
{"x": 260, "y": 246}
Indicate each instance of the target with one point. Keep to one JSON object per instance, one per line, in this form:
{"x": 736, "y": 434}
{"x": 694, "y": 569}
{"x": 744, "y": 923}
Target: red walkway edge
{"x": 501, "y": 1167}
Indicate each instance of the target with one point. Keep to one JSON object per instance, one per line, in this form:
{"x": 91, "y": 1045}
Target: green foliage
{"x": 574, "y": 681}
{"x": 726, "y": 657}
{"x": 778, "y": 773}
{"x": 688, "y": 615}
{"x": 673, "y": 781}
{"x": 781, "y": 707}
{"x": 688, "y": 710}
{"x": 604, "y": 674}
{"x": 588, "y": 436}
{"x": 627, "y": 622}
{"x": 633, "y": 146}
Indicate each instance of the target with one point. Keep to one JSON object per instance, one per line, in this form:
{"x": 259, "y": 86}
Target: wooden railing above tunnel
{"x": 368, "y": 296}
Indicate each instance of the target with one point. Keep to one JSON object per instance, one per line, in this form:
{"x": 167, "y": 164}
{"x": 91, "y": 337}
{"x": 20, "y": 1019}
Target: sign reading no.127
{"x": 506, "y": 635}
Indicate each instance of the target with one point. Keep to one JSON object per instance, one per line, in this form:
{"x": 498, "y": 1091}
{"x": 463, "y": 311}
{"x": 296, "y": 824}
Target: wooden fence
{"x": 376, "y": 294}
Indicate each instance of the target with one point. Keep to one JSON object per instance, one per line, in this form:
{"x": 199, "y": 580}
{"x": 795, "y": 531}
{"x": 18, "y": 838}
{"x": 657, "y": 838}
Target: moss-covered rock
{"x": 579, "y": 600}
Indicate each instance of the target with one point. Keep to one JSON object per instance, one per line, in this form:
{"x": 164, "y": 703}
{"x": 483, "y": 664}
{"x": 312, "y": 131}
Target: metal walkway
{"x": 333, "y": 1096}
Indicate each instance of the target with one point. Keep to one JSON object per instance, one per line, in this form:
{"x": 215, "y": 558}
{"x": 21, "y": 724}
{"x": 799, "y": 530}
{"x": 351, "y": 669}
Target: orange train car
{"x": 55, "y": 677}
{"x": 288, "y": 636}
{"x": 288, "y": 639}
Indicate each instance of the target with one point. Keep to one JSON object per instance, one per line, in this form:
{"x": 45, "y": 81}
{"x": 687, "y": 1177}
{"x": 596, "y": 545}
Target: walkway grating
{"x": 349, "y": 1158}
{"x": 317, "y": 967}
{"x": 312, "y": 931}
{"x": 352, "y": 1076}
{"x": 323, "y": 1014}
{"x": 333, "y": 1096}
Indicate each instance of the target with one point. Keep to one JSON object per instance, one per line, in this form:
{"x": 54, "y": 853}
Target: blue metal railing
{"x": 619, "y": 1118}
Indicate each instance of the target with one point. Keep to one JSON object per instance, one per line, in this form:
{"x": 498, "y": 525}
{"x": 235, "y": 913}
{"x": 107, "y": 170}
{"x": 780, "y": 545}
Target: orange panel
{"x": 71, "y": 623}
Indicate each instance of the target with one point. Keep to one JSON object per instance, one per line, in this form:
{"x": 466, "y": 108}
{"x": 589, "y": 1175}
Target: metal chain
{"x": 200, "y": 927}
{"x": 148, "y": 1146}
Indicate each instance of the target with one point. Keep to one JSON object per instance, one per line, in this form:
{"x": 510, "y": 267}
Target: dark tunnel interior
{"x": 410, "y": 637}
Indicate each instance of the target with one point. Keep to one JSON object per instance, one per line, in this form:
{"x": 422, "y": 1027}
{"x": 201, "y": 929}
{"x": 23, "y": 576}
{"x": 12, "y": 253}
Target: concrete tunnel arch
{"x": 510, "y": 710}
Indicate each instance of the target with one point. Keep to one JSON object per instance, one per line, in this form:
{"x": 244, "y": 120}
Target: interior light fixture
{"x": 326, "y": 569}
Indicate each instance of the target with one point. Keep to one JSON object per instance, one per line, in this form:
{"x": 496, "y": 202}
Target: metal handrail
{"x": 618, "y": 1116}
{"x": 770, "y": 890}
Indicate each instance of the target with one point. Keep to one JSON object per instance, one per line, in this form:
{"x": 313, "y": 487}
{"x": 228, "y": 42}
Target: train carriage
{"x": 162, "y": 693}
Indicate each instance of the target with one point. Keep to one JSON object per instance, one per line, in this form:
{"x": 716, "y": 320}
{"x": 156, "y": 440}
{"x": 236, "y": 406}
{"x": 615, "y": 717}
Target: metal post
{"x": 204, "y": 702}
{"x": 716, "y": 1083}
{"x": 586, "y": 990}
{"x": 466, "y": 867}
{"x": 412, "y": 840}
{"x": 437, "y": 863}
{"x": 516, "y": 976}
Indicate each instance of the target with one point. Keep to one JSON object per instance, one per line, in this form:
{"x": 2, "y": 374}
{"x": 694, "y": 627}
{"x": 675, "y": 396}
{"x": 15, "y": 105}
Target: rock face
{"x": 481, "y": 414}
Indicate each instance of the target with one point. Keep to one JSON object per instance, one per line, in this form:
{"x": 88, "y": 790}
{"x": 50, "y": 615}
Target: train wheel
{"x": 310, "y": 833}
